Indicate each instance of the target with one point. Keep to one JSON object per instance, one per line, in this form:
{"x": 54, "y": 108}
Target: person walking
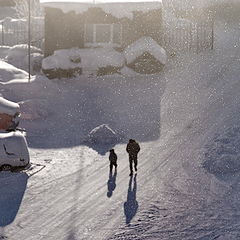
{"x": 133, "y": 149}
{"x": 112, "y": 159}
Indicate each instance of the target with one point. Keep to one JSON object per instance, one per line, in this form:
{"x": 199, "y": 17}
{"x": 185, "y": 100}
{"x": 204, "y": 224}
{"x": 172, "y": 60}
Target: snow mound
{"x": 83, "y": 60}
{"x": 33, "y": 109}
{"x": 223, "y": 153}
{"x": 18, "y": 56}
{"x": 9, "y": 72}
{"x": 102, "y": 134}
{"x": 145, "y": 45}
{"x": 8, "y": 107}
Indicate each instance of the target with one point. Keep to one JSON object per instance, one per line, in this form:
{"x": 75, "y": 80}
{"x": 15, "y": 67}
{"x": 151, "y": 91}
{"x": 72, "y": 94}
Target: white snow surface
{"x": 143, "y": 45}
{"x": 118, "y": 9}
{"x": 190, "y": 120}
{"x": 8, "y": 72}
{"x": 8, "y": 107}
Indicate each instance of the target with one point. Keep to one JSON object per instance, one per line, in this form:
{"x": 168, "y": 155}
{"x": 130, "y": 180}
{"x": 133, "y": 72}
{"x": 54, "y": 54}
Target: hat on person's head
{"x": 131, "y": 140}
{"x": 111, "y": 150}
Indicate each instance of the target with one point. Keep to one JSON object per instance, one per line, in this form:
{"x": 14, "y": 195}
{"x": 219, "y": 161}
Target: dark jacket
{"x": 113, "y": 157}
{"x": 133, "y": 148}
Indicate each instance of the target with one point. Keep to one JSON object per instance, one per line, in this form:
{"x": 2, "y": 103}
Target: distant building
{"x": 95, "y": 23}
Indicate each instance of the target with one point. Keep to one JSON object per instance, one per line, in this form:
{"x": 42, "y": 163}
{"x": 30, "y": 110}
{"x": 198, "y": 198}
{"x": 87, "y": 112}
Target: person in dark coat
{"x": 112, "y": 159}
{"x": 133, "y": 149}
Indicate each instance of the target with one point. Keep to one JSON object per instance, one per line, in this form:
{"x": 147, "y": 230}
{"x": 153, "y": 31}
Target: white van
{"x": 13, "y": 151}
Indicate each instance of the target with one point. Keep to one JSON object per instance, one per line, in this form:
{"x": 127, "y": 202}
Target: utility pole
{"x": 29, "y": 40}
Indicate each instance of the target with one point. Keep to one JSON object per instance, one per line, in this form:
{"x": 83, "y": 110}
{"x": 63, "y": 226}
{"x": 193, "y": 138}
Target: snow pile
{"x": 223, "y": 153}
{"x": 118, "y": 9}
{"x": 8, "y": 107}
{"x": 143, "y": 45}
{"x": 88, "y": 60}
{"x": 9, "y": 72}
{"x": 102, "y": 134}
{"x": 18, "y": 56}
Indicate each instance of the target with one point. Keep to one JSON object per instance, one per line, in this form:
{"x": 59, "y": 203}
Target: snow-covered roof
{"x": 119, "y": 8}
{"x": 8, "y": 107}
{"x": 145, "y": 44}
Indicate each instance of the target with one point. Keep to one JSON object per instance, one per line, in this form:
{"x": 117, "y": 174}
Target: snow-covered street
{"x": 187, "y": 186}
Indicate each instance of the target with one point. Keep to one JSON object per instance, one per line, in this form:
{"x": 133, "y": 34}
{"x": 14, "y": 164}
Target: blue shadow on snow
{"x": 12, "y": 190}
{"x": 131, "y": 205}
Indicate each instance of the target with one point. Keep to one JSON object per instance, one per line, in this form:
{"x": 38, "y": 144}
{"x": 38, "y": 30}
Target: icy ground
{"x": 187, "y": 186}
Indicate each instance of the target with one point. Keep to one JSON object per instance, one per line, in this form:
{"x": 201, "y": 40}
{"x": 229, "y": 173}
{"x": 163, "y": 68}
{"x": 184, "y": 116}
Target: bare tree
{"x": 23, "y": 5}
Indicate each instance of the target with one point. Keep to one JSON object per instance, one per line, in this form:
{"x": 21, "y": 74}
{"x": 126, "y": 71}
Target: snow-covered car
{"x": 13, "y": 151}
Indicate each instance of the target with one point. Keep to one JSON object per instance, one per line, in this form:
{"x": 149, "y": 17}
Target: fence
{"x": 178, "y": 35}
{"x": 15, "y": 31}
{"x": 184, "y": 35}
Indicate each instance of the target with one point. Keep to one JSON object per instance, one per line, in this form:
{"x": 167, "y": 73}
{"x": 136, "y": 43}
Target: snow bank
{"x": 102, "y": 134}
{"x": 9, "y": 72}
{"x": 118, "y": 9}
{"x": 143, "y": 45}
{"x": 86, "y": 59}
{"x": 223, "y": 153}
{"x": 8, "y": 107}
{"x": 18, "y": 56}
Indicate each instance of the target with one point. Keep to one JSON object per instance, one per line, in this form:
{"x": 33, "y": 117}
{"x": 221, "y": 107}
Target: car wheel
{"x": 6, "y": 168}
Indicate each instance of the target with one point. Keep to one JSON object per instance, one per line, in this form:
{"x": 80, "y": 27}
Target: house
{"x": 100, "y": 23}
{"x": 8, "y": 111}
{"x": 90, "y": 36}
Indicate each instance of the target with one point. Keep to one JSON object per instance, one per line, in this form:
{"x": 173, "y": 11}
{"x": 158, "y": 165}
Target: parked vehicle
{"x": 13, "y": 151}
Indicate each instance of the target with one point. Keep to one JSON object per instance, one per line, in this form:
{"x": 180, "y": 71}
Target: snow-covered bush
{"x": 102, "y": 134}
{"x": 18, "y": 56}
{"x": 71, "y": 62}
{"x": 145, "y": 56}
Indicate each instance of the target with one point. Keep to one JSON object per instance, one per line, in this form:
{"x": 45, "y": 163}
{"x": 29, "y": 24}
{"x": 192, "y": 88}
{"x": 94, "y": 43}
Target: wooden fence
{"x": 15, "y": 31}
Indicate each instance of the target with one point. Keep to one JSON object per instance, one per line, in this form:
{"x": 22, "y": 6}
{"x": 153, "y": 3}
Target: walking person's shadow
{"x": 131, "y": 205}
{"x": 111, "y": 183}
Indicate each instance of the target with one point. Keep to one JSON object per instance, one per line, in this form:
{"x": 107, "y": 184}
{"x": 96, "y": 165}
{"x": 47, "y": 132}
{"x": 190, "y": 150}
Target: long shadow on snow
{"x": 12, "y": 190}
{"x": 111, "y": 183}
{"x": 130, "y": 106}
{"x": 131, "y": 205}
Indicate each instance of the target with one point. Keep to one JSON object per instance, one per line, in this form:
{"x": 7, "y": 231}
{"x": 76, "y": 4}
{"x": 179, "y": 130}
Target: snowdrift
{"x": 9, "y": 72}
{"x": 18, "y": 57}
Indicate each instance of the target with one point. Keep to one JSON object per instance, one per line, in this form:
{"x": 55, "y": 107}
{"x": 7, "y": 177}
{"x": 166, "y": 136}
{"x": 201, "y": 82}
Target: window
{"x": 102, "y": 34}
